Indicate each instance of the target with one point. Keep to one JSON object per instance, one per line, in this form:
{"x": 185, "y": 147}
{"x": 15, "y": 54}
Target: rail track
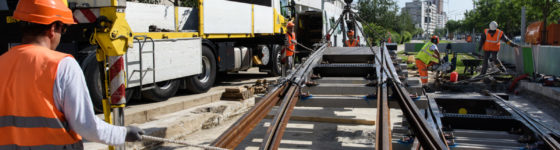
{"x": 432, "y": 127}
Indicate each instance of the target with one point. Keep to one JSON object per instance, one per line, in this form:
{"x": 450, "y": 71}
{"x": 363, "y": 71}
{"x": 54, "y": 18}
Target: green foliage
{"x": 381, "y": 15}
{"x": 188, "y": 3}
{"x": 453, "y": 25}
{"x": 508, "y": 14}
{"x": 406, "y": 36}
{"x": 441, "y": 32}
{"x": 374, "y": 32}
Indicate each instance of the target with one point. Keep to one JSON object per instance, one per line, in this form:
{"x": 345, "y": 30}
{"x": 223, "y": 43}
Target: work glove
{"x": 133, "y": 134}
{"x": 294, "y": 41}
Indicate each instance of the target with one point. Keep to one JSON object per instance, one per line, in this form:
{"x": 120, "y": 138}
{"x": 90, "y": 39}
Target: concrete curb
{"x": 552, "y": 93}
{"x": 137, "y": 114}
{"x": 181, "y": 123}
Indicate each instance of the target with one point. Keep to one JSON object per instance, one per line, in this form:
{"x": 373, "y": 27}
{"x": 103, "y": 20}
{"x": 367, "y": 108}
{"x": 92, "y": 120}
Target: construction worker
{"x": 490, "y": 43}
{"x": 429, "y": 55}
{"x": 44, "y": 99}
{"x": 351, "y": 42}
{"x": 289, "y": 50}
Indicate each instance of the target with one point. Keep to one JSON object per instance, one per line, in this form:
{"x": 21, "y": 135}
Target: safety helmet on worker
{"x": 493, "y": 25}
{"x": 290, "y": 24}
{"x": 351, "y": 33}
{"x": 435, "y": 39}
{"x": 43, "y": 12}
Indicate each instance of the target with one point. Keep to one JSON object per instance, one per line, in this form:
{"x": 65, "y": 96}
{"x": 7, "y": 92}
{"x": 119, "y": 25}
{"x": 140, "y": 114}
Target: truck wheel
{"x": 161, "y": 91}
{"x": 204, "y": 81}
{"x": 275, "y": 64}
{"x": 93, "y": 81}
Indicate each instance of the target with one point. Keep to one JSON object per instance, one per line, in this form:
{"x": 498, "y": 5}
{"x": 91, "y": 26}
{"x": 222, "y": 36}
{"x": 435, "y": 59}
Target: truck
{"x": 173, "y": 47}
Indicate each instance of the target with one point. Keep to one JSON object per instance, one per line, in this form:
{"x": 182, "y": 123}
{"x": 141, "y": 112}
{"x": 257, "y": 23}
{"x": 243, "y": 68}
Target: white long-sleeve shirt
{"x": 71, "y": 97}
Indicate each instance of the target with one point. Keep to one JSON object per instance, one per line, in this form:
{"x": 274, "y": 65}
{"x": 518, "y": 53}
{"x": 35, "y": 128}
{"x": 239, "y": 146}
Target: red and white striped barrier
{"x": 86, "y": 15}
{"x": 117, "y": 80}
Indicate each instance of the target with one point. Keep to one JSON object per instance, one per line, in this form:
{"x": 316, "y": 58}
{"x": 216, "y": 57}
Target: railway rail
{"x": 429, "y": 127}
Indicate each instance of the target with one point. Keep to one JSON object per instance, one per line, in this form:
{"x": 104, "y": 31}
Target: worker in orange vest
{"x": 44, "y": 101}
{"x": 351, "y": 42}
{"x": 490, "y": 43}
{"x": 289, "y": 49}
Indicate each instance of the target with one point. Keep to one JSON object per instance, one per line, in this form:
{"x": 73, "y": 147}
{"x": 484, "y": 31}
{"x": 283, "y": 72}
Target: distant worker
{"x": 289, "y": 50}
{"x": 427, "y": 56}
{"x": 469, "y": 38}
{"x": 389, "y": 40}
{"x": 490, "y": 43}
{"x": 352, "y": 41}
{"x": 44, "y": 101}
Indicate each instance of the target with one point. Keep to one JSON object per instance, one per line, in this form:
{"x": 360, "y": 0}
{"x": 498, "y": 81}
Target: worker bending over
{"x": 44, "y": 101}
{"x": 429, "y": 55}
{"x": 289, "y": 50}
{"x": 490, "y": 43}
{"x": 351, "y": 42}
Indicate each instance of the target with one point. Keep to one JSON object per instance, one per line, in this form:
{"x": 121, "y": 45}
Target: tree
{"x": 452, "y": 25}
{"x": 547, "y": 7}
{"x": 381, "y": 16}
{"x": 507, "y": 13}
{"x": 440, "y": 32}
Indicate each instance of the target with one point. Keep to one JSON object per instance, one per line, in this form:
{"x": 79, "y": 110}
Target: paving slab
{"x": 342, "y": 80}
{"x": 340, "y": 89}
{"x": 490, "y": 140}
{"x": 552, "y": 93}
{"x": 309, "y": 135}
{"x": 146, "y": 112}
{"x": 178, "y": 124}
{"x": 332, "y": 101}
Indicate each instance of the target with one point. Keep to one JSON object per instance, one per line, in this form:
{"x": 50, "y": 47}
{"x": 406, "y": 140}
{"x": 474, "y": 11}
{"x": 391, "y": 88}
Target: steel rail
{"x": 428, "y": 138}
{"x": 295, "y": 80}
{"x": 383, "y": 128}
{"x": 548, "y": 139}
{"x": 276, "y": 129}
{"x": 238, "y": 131}
{"x": 383, "y": 139}
{"x": 235, "y": 134}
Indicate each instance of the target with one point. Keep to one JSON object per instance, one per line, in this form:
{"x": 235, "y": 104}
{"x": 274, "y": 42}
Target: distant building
{"x": 439, "y": 4}
{"x": 442, "y": 20}
{"x": 425, "y": 14}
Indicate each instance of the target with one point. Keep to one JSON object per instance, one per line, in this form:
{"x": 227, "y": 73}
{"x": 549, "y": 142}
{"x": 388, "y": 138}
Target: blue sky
{"x": 454, "y": 8}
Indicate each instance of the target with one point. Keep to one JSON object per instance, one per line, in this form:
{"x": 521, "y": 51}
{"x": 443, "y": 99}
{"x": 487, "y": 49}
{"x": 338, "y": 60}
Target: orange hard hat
{"x": 435, "y": 39}
{"x": 351, "y": 33}
{"x": 291, "y": 24}
{"x": 43, "y": 12}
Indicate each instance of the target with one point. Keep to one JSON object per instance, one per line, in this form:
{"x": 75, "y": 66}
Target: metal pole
{"x": 523, "y": 25}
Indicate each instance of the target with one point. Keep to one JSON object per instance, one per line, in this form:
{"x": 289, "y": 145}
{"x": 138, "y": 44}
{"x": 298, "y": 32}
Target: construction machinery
{"x": 535, "y": 35}
{"x": 166, "y": 47}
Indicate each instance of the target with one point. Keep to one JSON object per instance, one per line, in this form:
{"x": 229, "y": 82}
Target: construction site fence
{"x": 529, "y": 59}
{"x": 455, "y": 47}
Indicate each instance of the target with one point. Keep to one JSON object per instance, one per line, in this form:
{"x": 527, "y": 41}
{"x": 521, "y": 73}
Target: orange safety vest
{"x": 351, "y": 43}
{"x": 29, "y": 118}
{"x": 291, "y": 45}
{"x": 492, "y": 43}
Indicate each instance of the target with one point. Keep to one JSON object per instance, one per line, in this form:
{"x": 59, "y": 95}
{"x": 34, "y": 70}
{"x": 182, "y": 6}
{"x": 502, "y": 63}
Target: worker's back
{"x": 27, "y": 101}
